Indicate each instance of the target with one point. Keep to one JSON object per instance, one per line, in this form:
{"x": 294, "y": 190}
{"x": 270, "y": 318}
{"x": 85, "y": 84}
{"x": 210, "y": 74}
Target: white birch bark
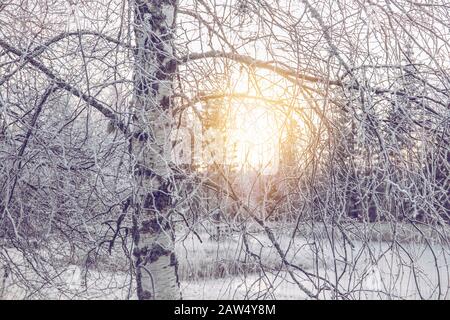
{"x": 155, "y": 65}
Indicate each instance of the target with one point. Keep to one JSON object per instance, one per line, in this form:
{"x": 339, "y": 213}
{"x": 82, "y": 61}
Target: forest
{"x": 225, "y": 149}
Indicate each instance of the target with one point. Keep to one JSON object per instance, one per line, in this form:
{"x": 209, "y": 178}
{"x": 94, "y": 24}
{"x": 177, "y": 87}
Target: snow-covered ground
{"x": 367, "y": 269}
{"x": 221, "y": 269}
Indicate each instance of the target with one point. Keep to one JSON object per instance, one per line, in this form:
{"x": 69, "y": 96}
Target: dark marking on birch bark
{"x": 165, "y": 102}
{"x": 171, "y": 66}
{"x": 159, "y": 200}
{"x": 141, "y": 136}
{"x": 154, "y": 73}
{"x": 145, "y": 255}
{"x": 145, "y": 295}
{"x": 155, "y": 225}
{"x": 157, "y": 252}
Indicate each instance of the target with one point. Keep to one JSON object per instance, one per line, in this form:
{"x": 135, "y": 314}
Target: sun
{"x": 242, "y": 127}
{"x": 255, "y": 125}
{"x": 254, "y": 137}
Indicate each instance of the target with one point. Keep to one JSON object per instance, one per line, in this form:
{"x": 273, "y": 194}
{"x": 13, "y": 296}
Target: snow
{"x": 220, "y": 270}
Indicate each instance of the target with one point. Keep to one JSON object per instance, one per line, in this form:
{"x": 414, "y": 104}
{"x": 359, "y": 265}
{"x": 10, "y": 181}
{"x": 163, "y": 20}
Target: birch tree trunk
{"x": 155, "y": 66}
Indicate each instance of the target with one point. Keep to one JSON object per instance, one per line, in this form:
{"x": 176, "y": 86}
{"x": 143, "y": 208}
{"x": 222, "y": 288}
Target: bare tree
{"x": 330, "y": 168}
{"x": 155, "y": 66}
